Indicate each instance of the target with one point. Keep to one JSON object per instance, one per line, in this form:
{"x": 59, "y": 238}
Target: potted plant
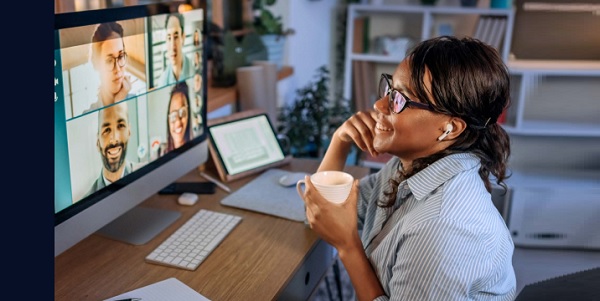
{"x": 309, "y": 122}
{"x": 270, "y": 29}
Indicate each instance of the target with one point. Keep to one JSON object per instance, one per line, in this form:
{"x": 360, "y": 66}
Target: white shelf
{"x": 554, "y": 129}
{"x": 548, "y": 67}
{"x": 377, "y": 58}
{"x": 459, "y": 10}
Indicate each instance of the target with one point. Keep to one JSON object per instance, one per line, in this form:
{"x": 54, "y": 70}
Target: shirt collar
{"x": 433, "y": 176}
{"x": 124, "y": 173}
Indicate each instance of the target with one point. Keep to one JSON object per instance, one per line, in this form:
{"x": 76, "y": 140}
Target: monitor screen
{"x": 129, "y": 111}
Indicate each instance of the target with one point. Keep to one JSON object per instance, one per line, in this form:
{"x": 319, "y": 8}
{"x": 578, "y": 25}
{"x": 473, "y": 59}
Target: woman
{"x": 178, "y": 118}
{"x": 109, "y": 59}
{"x": 424, "y": 227}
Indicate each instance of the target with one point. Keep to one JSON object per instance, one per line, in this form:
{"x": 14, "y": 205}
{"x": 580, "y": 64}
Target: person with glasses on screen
{"x": 178, "y": 65}
{"x": 178, "y": 118}
{"x": 424, "y": 227}
{"x": 109, "y": 59}
{"x": 113, "y": 135}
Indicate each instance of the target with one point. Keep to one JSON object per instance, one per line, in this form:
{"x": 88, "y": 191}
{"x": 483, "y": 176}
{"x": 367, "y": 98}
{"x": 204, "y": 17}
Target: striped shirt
{"x": 443, "y": 239}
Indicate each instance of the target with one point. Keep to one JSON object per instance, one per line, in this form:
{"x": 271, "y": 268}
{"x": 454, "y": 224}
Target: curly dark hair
{"x": 468, "y": 80}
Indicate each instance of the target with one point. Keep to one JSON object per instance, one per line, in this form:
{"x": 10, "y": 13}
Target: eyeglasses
{"x": 112, "y": 61}
{"x": 180, "y": 113}
{"x": 397, "y": 101}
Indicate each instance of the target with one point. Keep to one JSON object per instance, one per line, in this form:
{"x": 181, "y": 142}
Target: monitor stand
{"x": 139, "y": 225}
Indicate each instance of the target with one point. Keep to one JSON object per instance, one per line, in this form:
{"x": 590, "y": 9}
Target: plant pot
{"x": 275, "y": 47}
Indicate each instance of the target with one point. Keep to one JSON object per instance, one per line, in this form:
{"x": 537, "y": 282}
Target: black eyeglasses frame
{"x": 407, "y": 102}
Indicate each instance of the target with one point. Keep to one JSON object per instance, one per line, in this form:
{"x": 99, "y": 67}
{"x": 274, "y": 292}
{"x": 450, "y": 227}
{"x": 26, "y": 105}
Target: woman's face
{"x": 111, "y": 74}
{"x": 413, "y": 132}
{"x": 178, "y": 119}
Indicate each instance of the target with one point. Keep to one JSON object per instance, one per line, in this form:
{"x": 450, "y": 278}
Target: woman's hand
{"x": 360, "y": 129}
{"x": 125, "y": 88}
{"x": 335, "y": 223}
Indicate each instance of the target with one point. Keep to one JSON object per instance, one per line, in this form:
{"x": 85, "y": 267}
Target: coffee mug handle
{"x": 299, "y": 187}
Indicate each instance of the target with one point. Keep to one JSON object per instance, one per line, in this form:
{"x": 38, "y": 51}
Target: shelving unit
{"x": 554, "y": 126}
{"x": 400, "y": 20}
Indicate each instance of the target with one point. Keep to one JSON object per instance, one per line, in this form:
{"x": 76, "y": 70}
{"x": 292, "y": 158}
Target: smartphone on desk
{"x": 193, "y": 187}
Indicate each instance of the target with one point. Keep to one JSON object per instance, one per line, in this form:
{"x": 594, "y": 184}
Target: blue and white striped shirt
{"x": 443, "y": 238}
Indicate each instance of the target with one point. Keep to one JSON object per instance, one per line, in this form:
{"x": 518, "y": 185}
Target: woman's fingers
{"x": 361, "y": 129}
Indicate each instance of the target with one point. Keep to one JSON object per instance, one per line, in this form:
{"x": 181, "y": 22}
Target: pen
{"x": 130, "y": 299}
{"x": 217, "y": 182}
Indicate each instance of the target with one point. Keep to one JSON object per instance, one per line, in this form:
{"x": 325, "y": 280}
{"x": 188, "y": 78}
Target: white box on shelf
{"x": 393, "y": 46}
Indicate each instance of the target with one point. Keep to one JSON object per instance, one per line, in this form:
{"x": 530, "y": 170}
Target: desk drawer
{"x": 310, "y": 273}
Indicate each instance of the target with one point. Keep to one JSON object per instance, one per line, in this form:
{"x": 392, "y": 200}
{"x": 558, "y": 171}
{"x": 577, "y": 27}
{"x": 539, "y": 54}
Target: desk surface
{"x": 255, "y": 262}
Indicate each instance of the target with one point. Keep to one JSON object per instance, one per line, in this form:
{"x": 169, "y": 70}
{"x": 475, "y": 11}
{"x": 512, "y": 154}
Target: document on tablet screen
{"x": 246, "y": 144}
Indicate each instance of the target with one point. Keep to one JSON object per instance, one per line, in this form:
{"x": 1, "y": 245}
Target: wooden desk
{"x": 263, "y": 258}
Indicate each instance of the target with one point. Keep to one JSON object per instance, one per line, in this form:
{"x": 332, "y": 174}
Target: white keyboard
{"x": 187, "y": 247}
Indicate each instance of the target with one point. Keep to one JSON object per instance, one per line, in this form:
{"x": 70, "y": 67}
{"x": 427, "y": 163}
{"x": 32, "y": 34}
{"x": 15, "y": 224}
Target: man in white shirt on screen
{"x": 179, "y": 66}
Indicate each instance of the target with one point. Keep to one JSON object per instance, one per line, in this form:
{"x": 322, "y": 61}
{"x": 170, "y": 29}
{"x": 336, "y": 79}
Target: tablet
{"x": 243, "y": 144}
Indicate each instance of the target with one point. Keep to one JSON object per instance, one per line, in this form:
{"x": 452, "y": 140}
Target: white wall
{"x": 311, "y": 46}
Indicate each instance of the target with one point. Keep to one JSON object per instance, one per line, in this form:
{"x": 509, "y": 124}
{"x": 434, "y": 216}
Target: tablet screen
{"x": 245, "y": 144}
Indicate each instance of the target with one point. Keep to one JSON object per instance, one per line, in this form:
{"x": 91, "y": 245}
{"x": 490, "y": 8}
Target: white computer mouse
{"x": 291, "y": 179}
{"x": 187, "y": 198}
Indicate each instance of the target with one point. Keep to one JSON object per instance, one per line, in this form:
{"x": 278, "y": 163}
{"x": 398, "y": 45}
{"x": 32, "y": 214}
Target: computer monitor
{"x": 125, "y": 123}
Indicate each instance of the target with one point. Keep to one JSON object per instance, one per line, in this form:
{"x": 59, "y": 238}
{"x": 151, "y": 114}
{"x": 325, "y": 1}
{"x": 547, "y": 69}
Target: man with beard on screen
{"x": 113, "y": 135}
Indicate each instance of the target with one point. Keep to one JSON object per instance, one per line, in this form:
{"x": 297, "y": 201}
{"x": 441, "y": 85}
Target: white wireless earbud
{"x": 449, "y": 129}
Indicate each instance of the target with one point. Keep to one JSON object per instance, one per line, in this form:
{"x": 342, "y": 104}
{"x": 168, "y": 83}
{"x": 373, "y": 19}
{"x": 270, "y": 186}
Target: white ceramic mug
{"x": 332, "y": 185}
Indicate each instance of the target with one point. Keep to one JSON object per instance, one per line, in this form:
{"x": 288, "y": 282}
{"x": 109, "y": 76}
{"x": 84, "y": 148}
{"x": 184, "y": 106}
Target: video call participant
{"x": 197, "y": 60}
{"x": 109, "y": 58}
{"x": 178, "y": 118}
{"x": 113, "y": 136}
{"x": 197, "y": 115}
{"x": 196, "y": 38}
{"x": 179, "y": 66}
{"x": 424, "y": 227}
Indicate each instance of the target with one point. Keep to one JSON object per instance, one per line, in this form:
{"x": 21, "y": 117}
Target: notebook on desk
{"x": 169, "y": 289}
{"x": 264, "y": 194}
